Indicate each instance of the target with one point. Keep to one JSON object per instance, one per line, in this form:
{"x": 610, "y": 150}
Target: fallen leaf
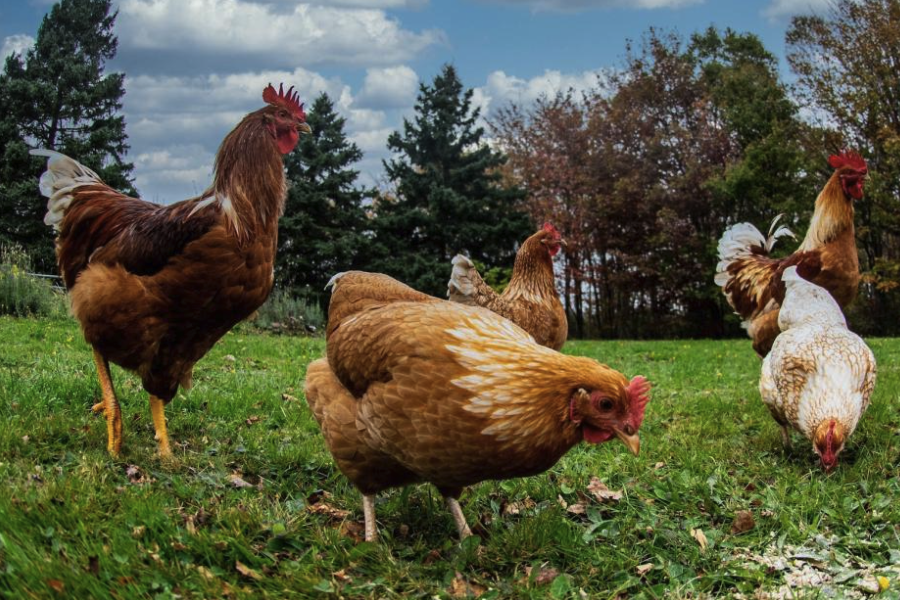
{"x": 138, "y": 531}
{"x": 25, "y": 439}
{"x": 136, "y": 476}
{"x": 546, "y": 575}
{"x": 431, "y": 557}
{"x": 323, "y": 508}
{"x": 229, "y": 358}
{"x": 460, "y": 588}
{"x": 237, "y": 481}
{"x": 288, "y": 398}
{"x": 644, "y": 569}
{"x": 403, "y": 530}
{"x": 342, "y": 575}
{"x": 602, "y": 493}
{"x": 659, "y": 465}
{"x": 246, "y": 571}
{"x": 562, "y": 501}
{"x": 869, "y": 584}
{"x": 698, "y": 535}
{"x": 57, "y": 585}
{"x": 205, "y": 573}
{"x": 353, "y": 530}
{"x": 253, "y": 419}
{"x": 577, "y": 509}
{"x": 743, "y": 522}
{"x": 318, "y": 496}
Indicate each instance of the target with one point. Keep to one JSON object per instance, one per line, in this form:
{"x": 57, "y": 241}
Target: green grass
{"x": 74, "y": 524}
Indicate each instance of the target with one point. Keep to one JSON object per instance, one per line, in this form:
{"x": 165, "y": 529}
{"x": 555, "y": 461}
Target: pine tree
{"x": 323, "y": 230}
{"x": 59, "y": 98}
{"x": 448, "y": 197}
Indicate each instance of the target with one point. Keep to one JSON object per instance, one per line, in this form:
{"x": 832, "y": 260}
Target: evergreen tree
{"x": 323, "y": 230}
{"x": 58, "y": 97}
{"x": 448, "y": 193}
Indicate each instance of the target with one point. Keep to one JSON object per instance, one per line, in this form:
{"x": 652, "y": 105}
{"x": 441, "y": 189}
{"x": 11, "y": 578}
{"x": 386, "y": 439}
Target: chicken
{"x": 530, "y": 300}
{"x": 751, "y": 279}
{"x": 819, "y": 376}
{"x": 154, "y": 287}
{"x": 416, "y": 389}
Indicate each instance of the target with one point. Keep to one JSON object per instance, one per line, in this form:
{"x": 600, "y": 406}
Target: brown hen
{"x": 416, "y": 389}
{"x": 530, "y": 300}
{"x": 154, "y": 287}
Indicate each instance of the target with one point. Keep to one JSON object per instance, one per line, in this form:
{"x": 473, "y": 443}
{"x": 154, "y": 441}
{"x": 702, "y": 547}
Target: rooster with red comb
{"x": 751, "y": 279}
{"x": 154, "y": 287}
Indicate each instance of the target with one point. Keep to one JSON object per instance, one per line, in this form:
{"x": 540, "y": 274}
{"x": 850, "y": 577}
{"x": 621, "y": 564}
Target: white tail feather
{"x": 62, "y": 177}
{"x": 738, "y": 240}
{"x": 332, "y": 283}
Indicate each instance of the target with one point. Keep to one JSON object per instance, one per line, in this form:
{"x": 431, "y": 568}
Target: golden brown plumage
{"x": 530, "y": 300}
{"x": 751, "y": 279}
{"x": 154, "y": 287}
{"x": 418, "y": 389}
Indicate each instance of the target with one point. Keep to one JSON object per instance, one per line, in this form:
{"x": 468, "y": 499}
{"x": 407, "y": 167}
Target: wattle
{"x": 287, "y": 141}
{"x": 592, "y": 435}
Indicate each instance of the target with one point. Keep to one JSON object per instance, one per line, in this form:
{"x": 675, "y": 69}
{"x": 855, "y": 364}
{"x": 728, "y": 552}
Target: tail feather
{"x": 58, "y": 183}
{"x": 745, "y": 270}
{"x": 466, "y": 285}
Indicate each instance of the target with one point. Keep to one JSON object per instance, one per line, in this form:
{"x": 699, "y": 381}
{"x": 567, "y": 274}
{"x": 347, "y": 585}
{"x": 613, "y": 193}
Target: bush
{"x": 22, "y": 294}
{"x": 287, "y": 312}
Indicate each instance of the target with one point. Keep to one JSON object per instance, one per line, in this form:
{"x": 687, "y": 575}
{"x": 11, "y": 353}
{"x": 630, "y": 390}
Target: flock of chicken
{"x": 154, "y": 287}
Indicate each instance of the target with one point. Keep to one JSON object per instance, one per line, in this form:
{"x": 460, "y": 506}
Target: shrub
{"x": 287, "y": 312}
{"x": 22, "y": 294}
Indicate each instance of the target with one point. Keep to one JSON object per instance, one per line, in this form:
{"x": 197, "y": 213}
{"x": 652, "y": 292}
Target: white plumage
{"x": 819, "y": 376}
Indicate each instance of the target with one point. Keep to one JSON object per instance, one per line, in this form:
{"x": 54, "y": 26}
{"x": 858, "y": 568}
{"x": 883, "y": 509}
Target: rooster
{"x": 751, "y": 279}
{"x": 154, "y": 287}
{"x": 530, "y": 300}
{"x": 417, "y": 389}
{"x": 819, "y": 376}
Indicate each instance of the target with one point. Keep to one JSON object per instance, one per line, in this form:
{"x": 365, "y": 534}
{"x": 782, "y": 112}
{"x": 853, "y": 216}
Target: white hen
{"x": 819, "y": 376}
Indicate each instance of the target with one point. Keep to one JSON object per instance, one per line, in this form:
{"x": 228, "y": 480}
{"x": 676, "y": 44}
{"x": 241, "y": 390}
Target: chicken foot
{"x": 458, "y": 517}
{"x": 157, "y": 410}
{"x": 109, "y": 406}
{"x": 369, "y": 516}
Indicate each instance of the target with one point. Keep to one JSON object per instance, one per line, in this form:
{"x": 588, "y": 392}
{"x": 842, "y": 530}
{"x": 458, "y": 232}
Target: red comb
{"x": 848, "y": 158}
{"x": 290, "y": 100}
{"x": 638, "y": 395}
{"x": 548, "y": 226}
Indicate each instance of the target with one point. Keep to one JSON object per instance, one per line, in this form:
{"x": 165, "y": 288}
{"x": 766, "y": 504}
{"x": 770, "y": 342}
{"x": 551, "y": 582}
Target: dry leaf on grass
{"x": 238, "y": 482}
{"x": 205, "y": 573}
{"x": 253, "y": 419}
{"x": 546, "y": 575}
{"x": 353, "y": 530}
{"x": 743, "y": 522}
{"x": 136, "y": 476}
{"x": 460, "y": 588}
{"x": 644, "y": 569}
{"x": 137, "y": 532}
{"x": 602, "y": 493}
{"x": 698, "y": 535}
{"x": 57, "y": 585}
{"x": 323, "y": 508}
{"x": 288, "y": 398}
{"x": 246, "y": 571}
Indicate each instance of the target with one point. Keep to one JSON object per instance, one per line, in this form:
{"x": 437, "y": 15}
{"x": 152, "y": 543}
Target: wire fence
{"x": 56, "y": 286}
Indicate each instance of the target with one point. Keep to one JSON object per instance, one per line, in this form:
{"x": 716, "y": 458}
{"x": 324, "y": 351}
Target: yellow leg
{"x": 109, "y": 406}
{"x": 157, "y": 409}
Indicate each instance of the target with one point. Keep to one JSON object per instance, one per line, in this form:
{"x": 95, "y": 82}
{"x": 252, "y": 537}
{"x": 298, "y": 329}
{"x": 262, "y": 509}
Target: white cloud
{"x": 778, "y": 9}
{"x": 381, "y": 4}
{"x": 502, "y": 89}
{"x": 391, "y": 87}
{"x": 15, "y": 44}
{"x": 175, "y": 124}
{"x": 235, "y": 32}
{"x": 580, "y": 5}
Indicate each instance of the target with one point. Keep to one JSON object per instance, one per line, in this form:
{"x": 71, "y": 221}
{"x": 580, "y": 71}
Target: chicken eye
{"x": 282, "y": 113}
{"x": 606, "y": 404}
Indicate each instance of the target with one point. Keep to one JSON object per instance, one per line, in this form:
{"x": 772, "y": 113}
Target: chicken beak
{"x": 562, "y": 243}
{"x": 632, "y": 442}
{"x": 303, "y": 128}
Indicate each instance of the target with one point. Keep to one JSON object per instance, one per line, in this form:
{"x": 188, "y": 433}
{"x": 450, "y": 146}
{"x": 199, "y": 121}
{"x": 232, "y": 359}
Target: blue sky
{"x": 195, "y": 67}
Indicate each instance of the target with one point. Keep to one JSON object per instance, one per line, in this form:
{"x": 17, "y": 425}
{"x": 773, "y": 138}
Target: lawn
{"x": 254, "y": 506}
